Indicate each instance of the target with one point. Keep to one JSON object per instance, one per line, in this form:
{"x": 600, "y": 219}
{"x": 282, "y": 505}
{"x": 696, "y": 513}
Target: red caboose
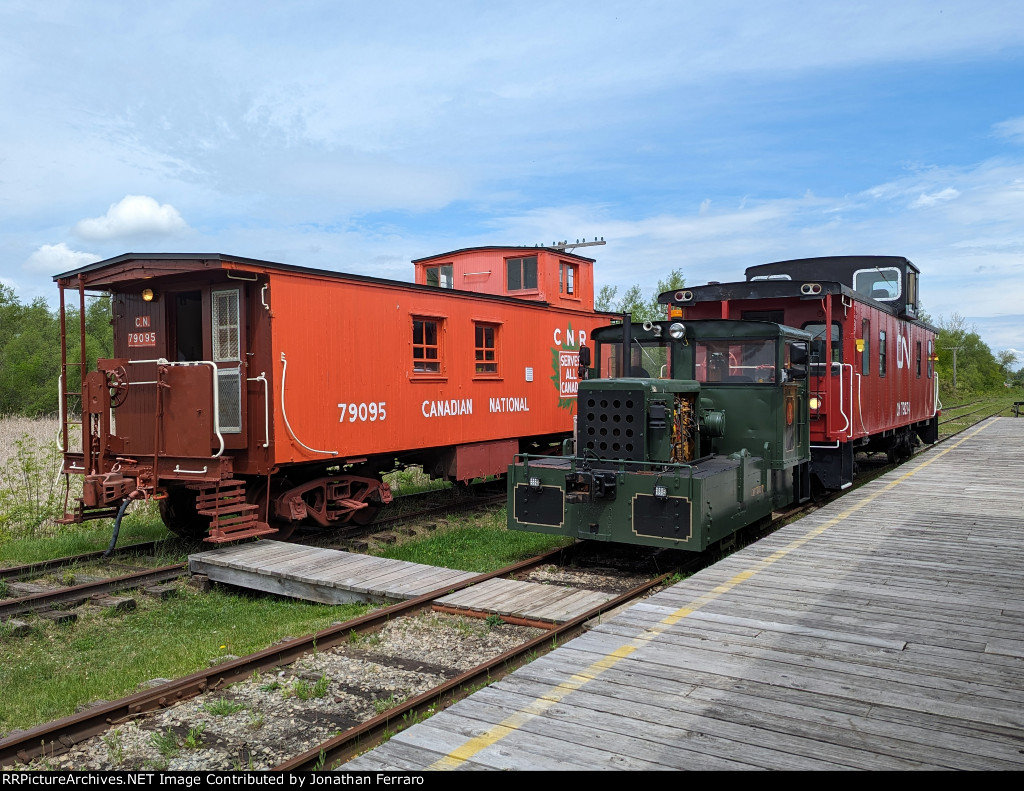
{"x": 873, "y": 385}
{"x": 252, "y": 396}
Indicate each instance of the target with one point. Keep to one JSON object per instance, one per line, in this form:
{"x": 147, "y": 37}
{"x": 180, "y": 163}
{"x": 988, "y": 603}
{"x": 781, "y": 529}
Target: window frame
{"x": 480, "y": 351}
{"x": 880, "y": 271}
{"x": 568, "y": 279}
{"x": 424, "y": 360}
{"x": 520, "y": 263}
{"x": 440, "y": 272}
{"x": 865, "y": 355}
{"x": 882, "y": 353}
{"x": 832, "y": 346}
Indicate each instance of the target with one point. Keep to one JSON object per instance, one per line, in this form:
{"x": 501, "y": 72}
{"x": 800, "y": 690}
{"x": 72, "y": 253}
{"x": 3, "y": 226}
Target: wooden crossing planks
{"x": 324, "y": 575}
{"x": 527, "y": 600}
{"x": 884, "y": 631}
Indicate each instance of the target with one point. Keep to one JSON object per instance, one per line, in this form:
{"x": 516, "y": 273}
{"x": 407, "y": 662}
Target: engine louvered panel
{"x": 611, "y": 424}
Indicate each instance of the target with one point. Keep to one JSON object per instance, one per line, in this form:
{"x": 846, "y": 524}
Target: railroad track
{"x": 43, "y": 601}
{"x": 52, "y": 739}
{"x": 61, "y": 735}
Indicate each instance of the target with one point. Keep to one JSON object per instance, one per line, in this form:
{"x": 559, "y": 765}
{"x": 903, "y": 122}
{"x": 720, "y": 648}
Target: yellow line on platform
{"x": 557, "y": 693}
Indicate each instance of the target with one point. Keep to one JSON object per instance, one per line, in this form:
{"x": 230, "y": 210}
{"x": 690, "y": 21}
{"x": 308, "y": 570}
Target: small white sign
{"x": 529, "y": 374}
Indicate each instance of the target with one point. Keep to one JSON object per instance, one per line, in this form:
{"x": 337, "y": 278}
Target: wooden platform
{"x": 329, "y": 576}
{"x": 884, "y": 631}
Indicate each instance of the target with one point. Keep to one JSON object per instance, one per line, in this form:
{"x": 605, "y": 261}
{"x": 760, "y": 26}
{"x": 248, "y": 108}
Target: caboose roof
{"x": 511, "y": 249}
{"x": 133, "y": 268}
{"x": 833, "y": 267}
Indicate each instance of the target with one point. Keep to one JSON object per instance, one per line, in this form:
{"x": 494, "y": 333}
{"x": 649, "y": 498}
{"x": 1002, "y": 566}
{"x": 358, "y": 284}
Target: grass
{"x": 56, "y": 668}
{"x": 475, "y": 542}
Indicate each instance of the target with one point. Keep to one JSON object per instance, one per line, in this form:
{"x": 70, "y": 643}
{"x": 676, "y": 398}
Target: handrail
{"x": 848, "y": 428}
{"x": 284, "y": 413}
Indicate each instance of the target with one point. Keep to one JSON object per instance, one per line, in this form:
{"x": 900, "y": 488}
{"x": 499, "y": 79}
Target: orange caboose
{"x": 250, "y": 396}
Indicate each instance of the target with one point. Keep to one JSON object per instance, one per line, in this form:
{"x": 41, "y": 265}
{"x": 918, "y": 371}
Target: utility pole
{"x": 953, "y": 349}
{"x": 567, "y": 245}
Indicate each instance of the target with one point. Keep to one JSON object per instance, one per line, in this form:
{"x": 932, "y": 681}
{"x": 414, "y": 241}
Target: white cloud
{"x": 135, "y": 215}
{"x": 1011, "y": 129}
{"x": 51, "y": 259}
{"x": 936, "y": 197}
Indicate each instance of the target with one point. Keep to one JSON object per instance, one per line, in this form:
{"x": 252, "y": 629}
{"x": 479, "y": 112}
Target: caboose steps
{"x": 231, "y": 517}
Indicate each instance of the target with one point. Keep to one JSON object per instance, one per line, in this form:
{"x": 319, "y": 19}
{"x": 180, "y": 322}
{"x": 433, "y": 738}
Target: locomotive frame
{"x": 249, "y": 396}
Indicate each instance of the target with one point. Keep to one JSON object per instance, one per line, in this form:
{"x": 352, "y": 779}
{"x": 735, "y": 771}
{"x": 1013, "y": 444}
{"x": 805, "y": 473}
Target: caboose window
{"x": 919, "y": 359}
{"x": 931, "y": 359}
{"x": 567, "y": 278}
{"x": 486, "y": 351}
{"x": 881, "y": 353}
{"x": 426, "y": 346}
{"x": 225, "y": 326}
{"x": 821, "y": 356}
{"x": 882, "y": 283}
{"x": 521, "y": 273}
{"x": 865, "y": 356}
{"x": 440, "y": 276}
{"x": 227, "y": 349}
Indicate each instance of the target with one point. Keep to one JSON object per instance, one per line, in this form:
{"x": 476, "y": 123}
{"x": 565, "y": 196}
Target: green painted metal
{"x": 626, "y": 481}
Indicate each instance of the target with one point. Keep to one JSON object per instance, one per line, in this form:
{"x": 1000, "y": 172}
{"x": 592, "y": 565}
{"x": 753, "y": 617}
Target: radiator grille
{"x": 611, "y": 424}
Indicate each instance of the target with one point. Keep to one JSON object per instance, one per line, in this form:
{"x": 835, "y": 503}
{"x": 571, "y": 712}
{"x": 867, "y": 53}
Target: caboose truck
{"x": 249, "y": 396}
{"x": 702, "y": 432}
{"x": 873, "y": 388}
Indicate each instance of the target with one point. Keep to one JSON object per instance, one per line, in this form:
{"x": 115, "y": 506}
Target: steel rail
{"x": 368, "y": 734}
{"x": 58, "y": 736}
{"x": 77, "y": 593}
{"x": 43, "y": 566}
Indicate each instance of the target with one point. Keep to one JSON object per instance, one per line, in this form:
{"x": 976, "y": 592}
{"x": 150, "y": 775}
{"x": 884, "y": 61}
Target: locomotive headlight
{"x": 535, "y": 484}
{"x": 660, "y": 492}
{"x": 676, "y": 331}
{"x": 147, "y": 295}
{"x": 815, "y": 403}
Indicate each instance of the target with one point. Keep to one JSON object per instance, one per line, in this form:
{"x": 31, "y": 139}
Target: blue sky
{"x": 704, "y": 136}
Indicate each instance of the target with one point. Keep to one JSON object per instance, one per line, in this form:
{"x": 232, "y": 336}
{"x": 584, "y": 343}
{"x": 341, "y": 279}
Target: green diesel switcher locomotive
{"x": 700, "y": 430}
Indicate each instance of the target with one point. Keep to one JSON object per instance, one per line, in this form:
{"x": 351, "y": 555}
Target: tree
{"x": 633, "y": 301}
{"x": 30, "y": 351}
{"x": 966, "y": 363}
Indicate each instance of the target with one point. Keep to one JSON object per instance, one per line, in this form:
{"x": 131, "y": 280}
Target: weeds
{"x": 384, "y": 704}
{"x": 166, "y": 743}
{"x": 303, "y": 690}
{"x": 223, "y": 707}
{"x": 257, "y": 721}
{"x": 31, "y": 494}
{"x": 271, "y": 686}
{"x": 493, "y": 620}
{"x": 413, "y": 717}
{"x": 194, "y": 740}
{"x": 115, "y": 746}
